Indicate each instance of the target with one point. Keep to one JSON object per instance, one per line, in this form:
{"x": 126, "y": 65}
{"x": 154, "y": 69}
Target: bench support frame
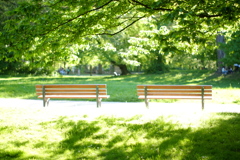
{"x": 146, "y": 100}
{"x": 202, "y": 98}
{"x": 46, "y": 99}
{"x": 99, "y": 100}
{"x": 145, "y": 95}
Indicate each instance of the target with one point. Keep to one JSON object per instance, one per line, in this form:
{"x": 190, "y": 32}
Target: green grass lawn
{"x": 123, "y": 88}
{"x": 32, "y": 133}
{"x": 37, "y": 134}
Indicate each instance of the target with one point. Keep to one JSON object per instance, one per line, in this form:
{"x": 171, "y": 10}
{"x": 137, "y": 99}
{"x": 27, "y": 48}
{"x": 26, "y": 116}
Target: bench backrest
{"x": 72, "y": 89}
{"x": 176, "y": 91}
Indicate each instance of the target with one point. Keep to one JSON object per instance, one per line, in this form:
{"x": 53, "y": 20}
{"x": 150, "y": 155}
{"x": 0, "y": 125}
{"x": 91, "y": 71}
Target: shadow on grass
{"x": 117, "y": 138}
{"x": 120, "y": 88}
{"x": 120, "y": 138}
{"x": 9, "y": 153}
{"x": 13, "y": 154}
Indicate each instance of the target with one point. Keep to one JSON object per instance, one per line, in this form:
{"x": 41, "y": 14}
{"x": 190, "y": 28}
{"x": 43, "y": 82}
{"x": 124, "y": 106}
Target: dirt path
{"x": 121, "y": 109}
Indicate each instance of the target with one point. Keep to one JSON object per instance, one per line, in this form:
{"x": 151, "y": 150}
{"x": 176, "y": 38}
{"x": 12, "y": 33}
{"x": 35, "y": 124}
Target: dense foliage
{"x": 41, "y": 32}
{"x": 232, "y": 49}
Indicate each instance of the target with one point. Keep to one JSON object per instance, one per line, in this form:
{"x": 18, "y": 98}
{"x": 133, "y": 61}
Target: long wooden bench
{"x": 84, "y": 91}
{"x": 191, "y": 92}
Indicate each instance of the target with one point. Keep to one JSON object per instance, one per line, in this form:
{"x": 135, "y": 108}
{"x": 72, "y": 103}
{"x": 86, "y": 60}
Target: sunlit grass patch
{"x": 226, "y": 96}
{"x": 31, "y": 133}
{"x": 123, "y": 88}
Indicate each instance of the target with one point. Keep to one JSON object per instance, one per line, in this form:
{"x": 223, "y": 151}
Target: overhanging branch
{"x": 205, "y": 15}
{"x": 149, "y": 7}
{"x": 201, "y": 15}
{"x": 70, "y": 20}
{"x": 112, "y": 34}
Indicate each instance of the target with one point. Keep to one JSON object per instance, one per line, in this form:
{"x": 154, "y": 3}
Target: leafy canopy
{"x": 51, "y": 25}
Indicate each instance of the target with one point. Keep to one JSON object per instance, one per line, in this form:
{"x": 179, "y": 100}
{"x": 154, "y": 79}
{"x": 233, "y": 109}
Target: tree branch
{"x": 70, "y": 20}
{"x": 201, "y": 15}
{"x": 205, "y": 15}
{"x": 148, "y": 7}
{"x": 112, "y": 34}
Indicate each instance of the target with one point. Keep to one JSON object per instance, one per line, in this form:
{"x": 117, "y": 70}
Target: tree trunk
{"x": 91, "y": 70}
{"x": 100, "y": 69}
{"x": 220, "y": 53}
{"x": 157, "y": 63}
{"x": 111, "y": 69}
{"x": 122, "y": 67}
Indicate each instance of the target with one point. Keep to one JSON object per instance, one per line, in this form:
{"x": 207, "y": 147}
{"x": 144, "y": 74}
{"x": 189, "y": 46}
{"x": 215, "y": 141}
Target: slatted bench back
{"x": 96, "y": 91}
{"x": 174, "y": 91}
{"x": 201, "y": 92}
{"x": 72, "y": 90}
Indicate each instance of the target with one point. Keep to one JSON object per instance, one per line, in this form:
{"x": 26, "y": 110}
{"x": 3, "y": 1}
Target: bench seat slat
{"x": 71, "y": 90}
{"x": 174, "y": 86}
{"x": 74, "y": 96}
{"x": 169, "y": 91}
{"x": 175, "y": 97}
{"x": 174, "y": 94}
{"x": 63, "y": 93}
{"x": 72, "y": 86}
{"x": 180, "y": 91}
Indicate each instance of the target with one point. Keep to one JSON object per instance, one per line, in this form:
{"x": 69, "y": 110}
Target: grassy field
{"x": 38, "y": 134}
{"x": 33, "y": 133}
{"x": 123, "y": 88}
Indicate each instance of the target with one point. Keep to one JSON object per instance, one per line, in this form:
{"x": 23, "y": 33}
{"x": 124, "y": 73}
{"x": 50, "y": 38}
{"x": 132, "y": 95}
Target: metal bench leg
{"x": 99, "y": 100}
{"x": 46, "y": 101}
{"x": 145, "y": 95}
{"x": 147, "y": 103}
{"x": 202, "y": 98}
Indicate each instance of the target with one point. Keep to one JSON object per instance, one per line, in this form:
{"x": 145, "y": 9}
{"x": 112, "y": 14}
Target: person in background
{"x": 224, "y": 71}
{"x": 236, "y": 66}
{"x": 61, "y": 71}
{"x": 230, "y": 70}
{"x": 68, "y": 70}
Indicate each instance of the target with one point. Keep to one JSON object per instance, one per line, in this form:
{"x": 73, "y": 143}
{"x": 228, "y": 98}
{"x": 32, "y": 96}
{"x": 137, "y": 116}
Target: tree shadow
{"x": 133, "y": 138}
{"x": 122, "y": 139}
{"x": 11, "y": 155}
{"x": 221, "y": 137}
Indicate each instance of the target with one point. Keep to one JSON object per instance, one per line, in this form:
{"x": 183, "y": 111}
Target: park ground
{"x": 124, "y": 129}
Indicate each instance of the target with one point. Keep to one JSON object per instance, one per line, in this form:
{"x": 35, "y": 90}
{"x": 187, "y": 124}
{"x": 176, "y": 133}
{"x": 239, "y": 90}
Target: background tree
{"x": 220, "y": 53}
{"x": 7, "y": 62}
{"x": 114, "y": 50}
{"x": 50, "y": 25}
{"x": 232, "y": 49}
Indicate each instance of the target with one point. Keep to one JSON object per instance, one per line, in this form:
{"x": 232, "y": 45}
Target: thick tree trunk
{"x": 100, "y": 69}
{"x": 91, "y": 69}
{"x": 122, "y": 67}
{"x": 157, "y": 63}
{"x": 111, "y": 69}
{"x": 220, "y": 53}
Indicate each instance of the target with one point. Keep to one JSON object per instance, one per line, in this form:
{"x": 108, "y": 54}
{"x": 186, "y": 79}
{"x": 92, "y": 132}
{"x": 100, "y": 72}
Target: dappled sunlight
{"x": 123, "y": 88}
{"x": 219, "y": 96}
{"x": 71, "y": 132}
{"x": 10, "y": 78}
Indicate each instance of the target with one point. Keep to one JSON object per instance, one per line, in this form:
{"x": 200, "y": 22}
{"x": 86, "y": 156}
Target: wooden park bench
{"x": 191, "y": 92}
{"x": 83, "y": 91}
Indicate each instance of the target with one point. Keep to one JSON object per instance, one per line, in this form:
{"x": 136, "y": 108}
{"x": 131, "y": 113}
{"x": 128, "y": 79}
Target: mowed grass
{"x": 39, "y": 134}
{"x": 226, "y": 89}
